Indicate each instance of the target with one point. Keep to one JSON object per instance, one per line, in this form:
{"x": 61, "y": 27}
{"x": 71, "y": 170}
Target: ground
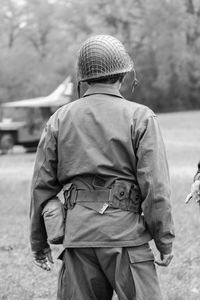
{"x": 21, "y": 280}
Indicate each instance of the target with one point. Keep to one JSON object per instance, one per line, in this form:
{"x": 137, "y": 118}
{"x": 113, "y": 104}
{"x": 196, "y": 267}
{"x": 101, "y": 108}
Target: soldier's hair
{"x": 108, "y": 79}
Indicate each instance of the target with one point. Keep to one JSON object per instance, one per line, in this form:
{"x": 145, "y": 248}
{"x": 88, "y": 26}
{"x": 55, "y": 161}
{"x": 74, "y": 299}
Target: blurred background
{"x": 39, "y": 40}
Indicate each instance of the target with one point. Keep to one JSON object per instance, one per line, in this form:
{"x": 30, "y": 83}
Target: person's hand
{"x": 43, "y": 258}
{"x": 164, "y": 260}
{"x": 195, "y": 192}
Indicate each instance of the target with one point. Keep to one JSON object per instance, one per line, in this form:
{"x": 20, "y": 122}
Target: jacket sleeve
{"x": 44, "y": 185}
{"x": 154, "y": 182}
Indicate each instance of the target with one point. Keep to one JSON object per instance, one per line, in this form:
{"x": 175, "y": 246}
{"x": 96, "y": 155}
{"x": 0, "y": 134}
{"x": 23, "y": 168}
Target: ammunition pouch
{"x": 54, "y": 219}
{"x": 121, "y": 194}
{"x": 125, "y": 196}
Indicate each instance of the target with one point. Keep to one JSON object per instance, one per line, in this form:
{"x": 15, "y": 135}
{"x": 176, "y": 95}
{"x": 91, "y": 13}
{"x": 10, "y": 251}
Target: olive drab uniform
{"x": 95, "y": 147}
{"x": 107, "y": 156}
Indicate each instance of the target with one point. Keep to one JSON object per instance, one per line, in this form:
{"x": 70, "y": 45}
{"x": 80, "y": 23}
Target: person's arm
{"x": 44, "y": 186}
{"x": 153, "y": 179}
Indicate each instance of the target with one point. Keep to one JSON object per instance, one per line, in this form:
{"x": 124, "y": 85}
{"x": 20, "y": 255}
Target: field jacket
{"x": 103, "y": 134}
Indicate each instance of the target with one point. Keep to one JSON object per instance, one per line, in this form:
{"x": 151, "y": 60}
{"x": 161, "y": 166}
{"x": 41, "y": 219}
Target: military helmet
{"x": 102, "y": 56}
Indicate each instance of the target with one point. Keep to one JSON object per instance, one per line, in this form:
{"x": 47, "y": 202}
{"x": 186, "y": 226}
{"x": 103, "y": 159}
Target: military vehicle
{"x": 22, "y": 122}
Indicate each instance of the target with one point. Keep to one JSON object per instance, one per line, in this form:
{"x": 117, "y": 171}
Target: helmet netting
{"x": 102, "y": 56}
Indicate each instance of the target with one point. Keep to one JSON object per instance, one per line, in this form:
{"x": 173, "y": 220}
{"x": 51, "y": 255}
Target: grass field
{"x": 20, "y": 280}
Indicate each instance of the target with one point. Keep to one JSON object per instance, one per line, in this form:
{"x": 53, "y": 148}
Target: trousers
{"x": 94, "y": 273}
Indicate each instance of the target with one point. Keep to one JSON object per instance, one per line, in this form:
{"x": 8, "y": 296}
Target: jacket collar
{"x": 101, "y": 88}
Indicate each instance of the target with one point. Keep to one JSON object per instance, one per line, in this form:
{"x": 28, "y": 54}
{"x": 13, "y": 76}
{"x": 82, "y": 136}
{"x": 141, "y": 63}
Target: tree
{"x": 11, "y": 22}
{"x": 40, "y": 40}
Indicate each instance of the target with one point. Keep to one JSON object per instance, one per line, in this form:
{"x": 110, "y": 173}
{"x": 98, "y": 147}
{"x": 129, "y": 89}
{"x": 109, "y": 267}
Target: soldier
{"x": 108, "y": 156}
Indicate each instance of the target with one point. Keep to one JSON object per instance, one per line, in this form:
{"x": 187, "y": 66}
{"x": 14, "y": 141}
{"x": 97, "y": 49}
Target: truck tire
{"x": 6, "y": 143}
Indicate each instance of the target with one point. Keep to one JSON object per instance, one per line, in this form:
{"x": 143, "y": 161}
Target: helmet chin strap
{"x": 135, "y": 81}
{"x": 79, "y": 89}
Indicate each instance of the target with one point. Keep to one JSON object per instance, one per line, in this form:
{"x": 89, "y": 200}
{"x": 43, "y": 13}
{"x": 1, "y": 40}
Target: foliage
{"x": 40, "y": 39}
